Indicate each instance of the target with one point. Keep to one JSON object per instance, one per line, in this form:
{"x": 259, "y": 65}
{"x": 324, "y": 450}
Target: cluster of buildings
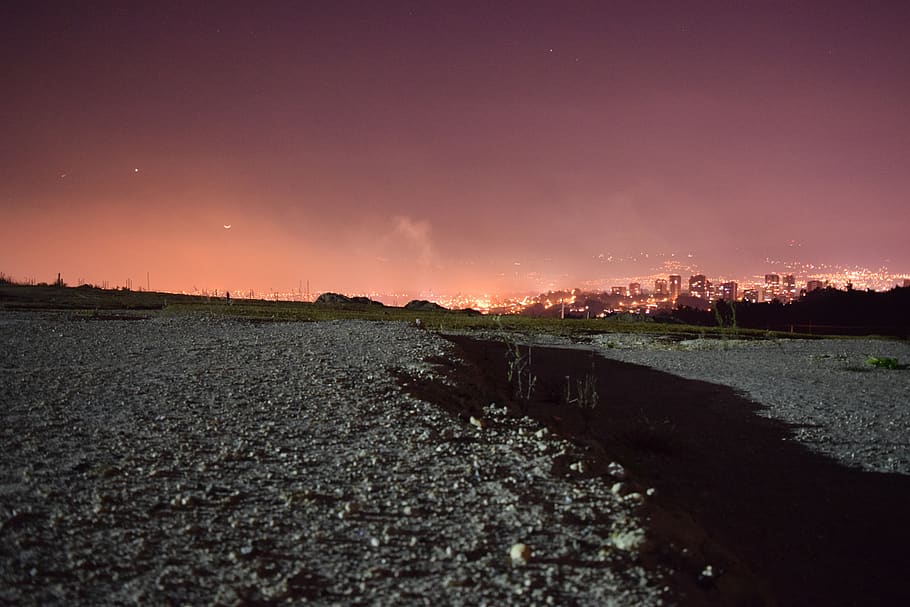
{"x": 775, "y": 287}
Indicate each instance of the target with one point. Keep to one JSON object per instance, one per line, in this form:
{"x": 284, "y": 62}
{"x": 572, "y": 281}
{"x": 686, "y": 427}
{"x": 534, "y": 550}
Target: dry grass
{"x": 93, "y": 301}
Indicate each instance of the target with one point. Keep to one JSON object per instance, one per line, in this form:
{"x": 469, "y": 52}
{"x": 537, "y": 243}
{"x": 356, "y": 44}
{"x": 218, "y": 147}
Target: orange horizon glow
{"x": 392, "y": 147}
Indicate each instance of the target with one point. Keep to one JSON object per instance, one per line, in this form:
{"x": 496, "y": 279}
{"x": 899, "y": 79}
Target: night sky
{"x": 448, "y": 146}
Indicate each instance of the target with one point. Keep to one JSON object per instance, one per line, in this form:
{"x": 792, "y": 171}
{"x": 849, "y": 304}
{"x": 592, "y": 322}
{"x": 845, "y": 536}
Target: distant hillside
{"x": 422, "y": 305}
{"x": 335, "y": 299}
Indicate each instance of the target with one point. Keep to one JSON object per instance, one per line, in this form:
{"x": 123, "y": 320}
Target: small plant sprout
{"x": 884, "y": 363}
{"x": 585, "y": 395}
{"x": 519, "y": 372}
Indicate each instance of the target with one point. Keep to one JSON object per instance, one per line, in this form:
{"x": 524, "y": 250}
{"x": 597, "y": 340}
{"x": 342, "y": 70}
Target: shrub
{"x": 884, "y": 362}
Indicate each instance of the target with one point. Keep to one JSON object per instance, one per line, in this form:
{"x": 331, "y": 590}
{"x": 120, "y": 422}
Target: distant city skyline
{"x": 450, "y": 146}
{"x": 788, "y": 285}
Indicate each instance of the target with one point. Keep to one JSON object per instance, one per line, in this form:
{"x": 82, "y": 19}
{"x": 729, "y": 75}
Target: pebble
{"x": 519, "y": 554}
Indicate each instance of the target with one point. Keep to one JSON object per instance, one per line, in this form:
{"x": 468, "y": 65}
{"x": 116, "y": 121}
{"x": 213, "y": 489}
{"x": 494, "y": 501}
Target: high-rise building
{"x": 772, "y": 287}
{"x": 728, "y": 291}
{"x": 790, "y": 293}
{"x": 621, "y": 291}
{"x": 660, "y": 287}
{"x": 698, "y": 286}
{"x": 634, "y": 289}
{"x": 675, "y": 286}
{"x": 750, "y": 295}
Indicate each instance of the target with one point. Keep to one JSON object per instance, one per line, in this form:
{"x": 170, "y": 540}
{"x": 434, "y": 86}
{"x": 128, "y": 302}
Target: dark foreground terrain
{"x": 785, "y": 524}
{"x": 197, "y": 459}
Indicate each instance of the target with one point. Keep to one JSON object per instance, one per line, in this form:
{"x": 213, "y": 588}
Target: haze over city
{"x": 450, "y": 146}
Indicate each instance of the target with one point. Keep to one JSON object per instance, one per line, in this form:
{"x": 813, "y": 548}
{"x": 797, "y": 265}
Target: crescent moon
{"x": 227, "y": 226}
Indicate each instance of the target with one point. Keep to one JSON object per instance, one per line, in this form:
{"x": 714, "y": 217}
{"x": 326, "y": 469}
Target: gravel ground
{"x": 202, "y": 461}
{"x": 841, "y": 406}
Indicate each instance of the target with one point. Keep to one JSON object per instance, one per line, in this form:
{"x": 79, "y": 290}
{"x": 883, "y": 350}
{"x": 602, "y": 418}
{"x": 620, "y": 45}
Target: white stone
{"x": 520, "y": 554}
{"x": 628, "y": 540}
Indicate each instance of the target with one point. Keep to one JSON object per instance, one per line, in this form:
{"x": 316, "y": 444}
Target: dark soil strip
{"x": 778, "y": 523}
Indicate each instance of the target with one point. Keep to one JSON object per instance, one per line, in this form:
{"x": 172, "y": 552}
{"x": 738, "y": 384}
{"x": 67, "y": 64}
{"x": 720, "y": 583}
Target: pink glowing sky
{"x": 392, "y": 146}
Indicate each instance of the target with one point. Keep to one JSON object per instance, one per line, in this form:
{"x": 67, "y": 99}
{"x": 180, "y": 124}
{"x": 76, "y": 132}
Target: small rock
{"x": 520, "y": 554}
{"x": 634, "y": 498}
{"x": 629, "y": 540}
{"x": 616, "y": 470}
{"x": 479, "y": 423}
{"x": 708, "y": 577}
